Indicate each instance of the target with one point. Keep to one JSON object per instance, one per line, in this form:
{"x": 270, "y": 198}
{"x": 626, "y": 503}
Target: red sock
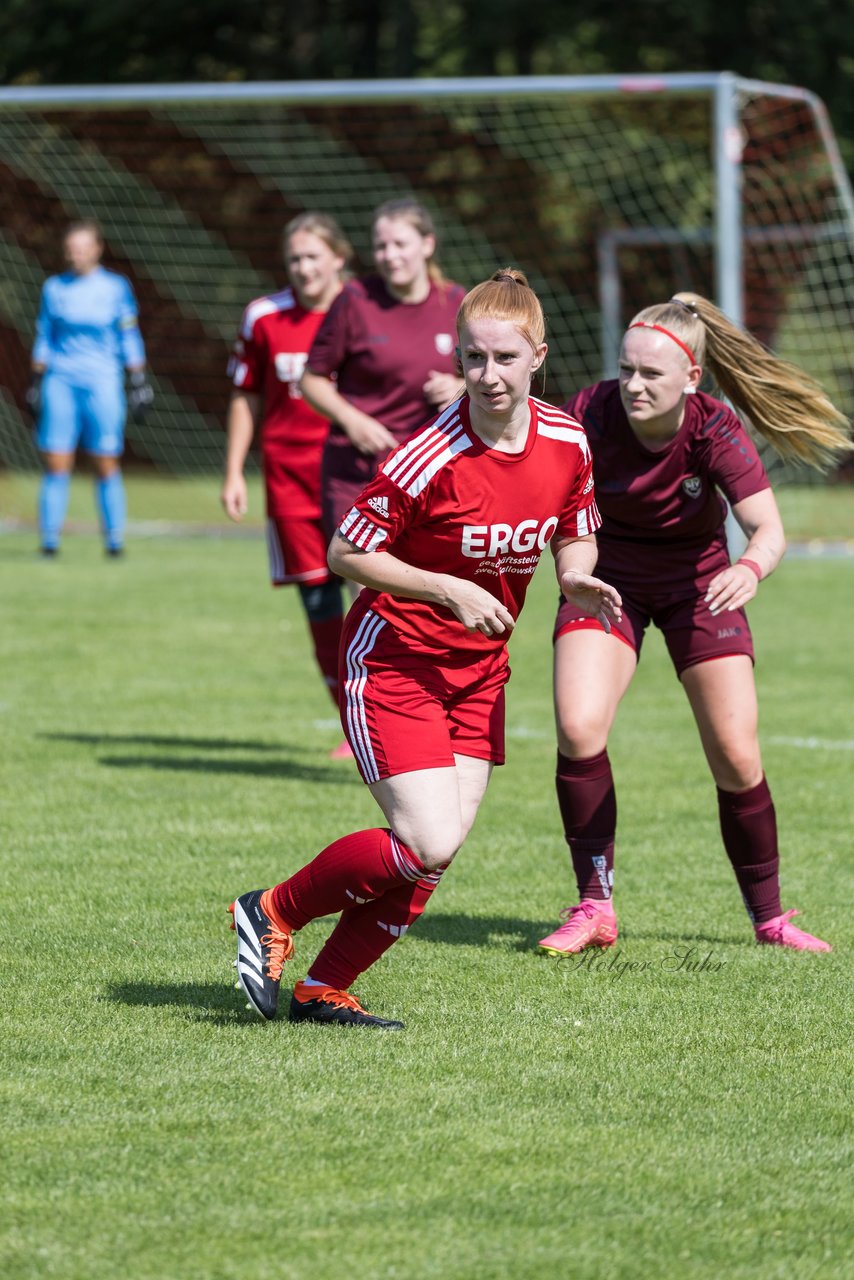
{"x": 749, "y": 830}
{"x": 588, "y": 806}
{"x": 326, "y": 636}
{"x": 366, "y": 932}
{"x": 353, "y": 870}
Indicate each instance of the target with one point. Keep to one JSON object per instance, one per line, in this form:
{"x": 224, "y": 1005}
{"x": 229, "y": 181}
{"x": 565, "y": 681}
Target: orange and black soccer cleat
{"x": 326, "y": 1004}
{"x": 262, "y": 949}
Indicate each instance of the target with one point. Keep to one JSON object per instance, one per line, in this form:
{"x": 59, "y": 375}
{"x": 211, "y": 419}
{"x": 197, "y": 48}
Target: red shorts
{"x": 403, "y": 711}
{"x": 296, "y": 549}
{"x": 690, "y": 631}
{"x": 296, "y": 543}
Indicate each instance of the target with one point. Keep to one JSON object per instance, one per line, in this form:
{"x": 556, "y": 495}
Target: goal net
{"x": 609, "y": 193}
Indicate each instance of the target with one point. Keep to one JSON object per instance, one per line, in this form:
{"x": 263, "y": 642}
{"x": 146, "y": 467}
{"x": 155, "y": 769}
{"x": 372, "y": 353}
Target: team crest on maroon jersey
{"x": 693, "y": 486}
{"x": 444, "y": 343}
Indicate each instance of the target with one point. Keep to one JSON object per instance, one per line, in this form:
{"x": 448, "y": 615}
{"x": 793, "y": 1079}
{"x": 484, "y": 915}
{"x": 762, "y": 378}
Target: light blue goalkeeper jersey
{"x": 87, "y": 329}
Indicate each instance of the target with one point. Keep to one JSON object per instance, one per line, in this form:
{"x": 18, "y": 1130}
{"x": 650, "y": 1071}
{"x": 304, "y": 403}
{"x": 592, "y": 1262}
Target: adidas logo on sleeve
{"x": 379, "y": 504}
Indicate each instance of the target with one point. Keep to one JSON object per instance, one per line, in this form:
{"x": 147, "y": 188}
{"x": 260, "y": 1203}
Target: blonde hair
{"x": 506, "y": 295}
{"x": 409, "y": 210}
{"x": 783, "y": 402}
{"x": 85, "y": 224}
{"x": 324, "y": 226}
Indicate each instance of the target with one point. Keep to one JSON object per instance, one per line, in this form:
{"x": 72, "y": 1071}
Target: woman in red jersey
{"x": 662, "y": 451}
{"x": 444, "y": 539}
{"x": 268, "y": 360}
{"x": 383, "y": 359}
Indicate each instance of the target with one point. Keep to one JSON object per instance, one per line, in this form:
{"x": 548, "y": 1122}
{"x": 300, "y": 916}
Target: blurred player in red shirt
{"x": 444, "y": 539}
{"x": 269, "y": 356}
{"x": 662, "y": 451}
{"x": 383, "y": 359}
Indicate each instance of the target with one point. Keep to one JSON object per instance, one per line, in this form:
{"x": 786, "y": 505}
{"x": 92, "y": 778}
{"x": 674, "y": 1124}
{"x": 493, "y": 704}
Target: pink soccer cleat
{"x": 591, "y": 924}
{"x": 780, "y": 933}
{"x": 342, "y": 752}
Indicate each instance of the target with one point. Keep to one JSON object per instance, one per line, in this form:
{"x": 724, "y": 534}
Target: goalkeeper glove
{"x": 33, "y": 395}
{"x": 140, "y": 396}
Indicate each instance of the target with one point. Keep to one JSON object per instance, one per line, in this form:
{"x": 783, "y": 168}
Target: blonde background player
{"x": 661, "y": 452}
{"x": 383, "y": 360}
{"x": 444, "y": 541}
{"x": 269, "y": 357}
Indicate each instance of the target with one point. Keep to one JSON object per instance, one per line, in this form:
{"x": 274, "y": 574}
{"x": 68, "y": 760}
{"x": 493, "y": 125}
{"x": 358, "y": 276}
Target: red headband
{"x": 647, "y": 324}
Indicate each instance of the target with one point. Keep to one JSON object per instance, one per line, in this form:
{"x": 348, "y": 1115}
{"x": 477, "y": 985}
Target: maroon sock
{"x": 353, "y": 870}
{"x": 326, "y": 636}
{"x": 749, "y": 830}
{"x": 366, "y": 932}
{"x": 588, "y": 806}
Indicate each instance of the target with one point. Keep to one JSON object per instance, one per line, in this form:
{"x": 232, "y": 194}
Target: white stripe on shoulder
{"x": 557, "y": 425}
{"x": 284, "y": 300}
{"x": 361, "y": 531}
{"x": 413, "y": 466}
{"x": 552, "y": 411}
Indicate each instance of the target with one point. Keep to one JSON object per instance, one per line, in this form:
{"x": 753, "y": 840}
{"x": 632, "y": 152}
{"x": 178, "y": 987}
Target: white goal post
{"x": 611, "y": 192}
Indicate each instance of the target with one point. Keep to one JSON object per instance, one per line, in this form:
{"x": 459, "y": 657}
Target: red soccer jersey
{"x": 448, "y": 503}
{"x": 382, "y": 351}
{"x": 268, "y": 359}
{"x": 665, "y": 500}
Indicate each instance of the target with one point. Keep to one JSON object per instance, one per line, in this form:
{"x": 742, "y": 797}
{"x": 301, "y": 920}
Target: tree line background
{"x": 124, "y": 41}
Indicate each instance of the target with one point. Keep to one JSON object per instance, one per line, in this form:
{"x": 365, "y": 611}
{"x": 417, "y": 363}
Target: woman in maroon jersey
{"x": 445, "y": 539}
{"x": 383, "y": 359}
{"x": 661, "y": 452}
{"x": 266, "y": 366}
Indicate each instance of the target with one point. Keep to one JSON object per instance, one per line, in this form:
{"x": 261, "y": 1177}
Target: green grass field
{"x": 165, "y": 743}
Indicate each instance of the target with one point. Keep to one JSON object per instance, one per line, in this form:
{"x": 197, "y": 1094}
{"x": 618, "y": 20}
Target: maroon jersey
{"x": 382, "y": 350}
{"x": 447, "y": 502}
{"x": 268, "y": 359}
{"x": 662, "y": 507}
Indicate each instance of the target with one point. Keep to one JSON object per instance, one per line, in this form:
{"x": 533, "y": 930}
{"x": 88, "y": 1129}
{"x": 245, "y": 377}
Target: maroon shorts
{"x": 403, "y": 711}
{"x": 339, "y": 492}
{"x": 690, "y": 631}
{"x": 296, "y": 549}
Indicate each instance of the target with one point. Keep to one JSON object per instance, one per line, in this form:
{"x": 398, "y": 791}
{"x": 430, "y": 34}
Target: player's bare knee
{"x": 436, "y": 849}
{"x": 580, "y": 735}
{"x": 735, "y": 770}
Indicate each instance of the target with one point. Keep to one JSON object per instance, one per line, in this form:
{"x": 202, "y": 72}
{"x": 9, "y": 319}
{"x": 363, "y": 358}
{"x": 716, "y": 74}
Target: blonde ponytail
{"x": 780, "y": 400}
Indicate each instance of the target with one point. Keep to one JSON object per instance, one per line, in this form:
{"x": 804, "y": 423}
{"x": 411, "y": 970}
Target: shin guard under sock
{"x": 112, "y": 508}
{"x": 588, "y": 806}
{"x": 749, "y": 830}
{"x": 353, "y": 870}
{"x": 324, "y": 611}
{"x": 53, "y": 504}
{"x": 326, "y": 637}
{"x": 366, "y": 932}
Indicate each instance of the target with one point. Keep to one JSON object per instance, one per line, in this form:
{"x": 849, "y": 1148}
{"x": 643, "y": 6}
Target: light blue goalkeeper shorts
{"x": 93, "y": 418}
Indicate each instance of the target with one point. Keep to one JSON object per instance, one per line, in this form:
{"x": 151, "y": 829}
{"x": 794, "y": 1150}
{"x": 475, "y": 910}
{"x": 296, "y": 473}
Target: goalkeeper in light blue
{"x": 87, "y": 337}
